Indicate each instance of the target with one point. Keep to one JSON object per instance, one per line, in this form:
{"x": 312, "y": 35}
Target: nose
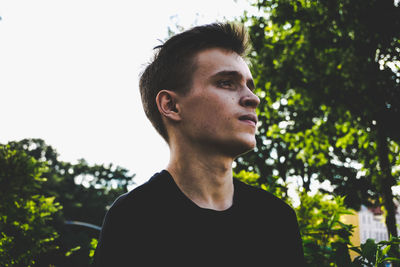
{"x": 250, "y": 100}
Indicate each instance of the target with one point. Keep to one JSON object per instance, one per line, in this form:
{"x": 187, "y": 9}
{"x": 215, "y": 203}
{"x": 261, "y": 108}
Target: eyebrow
{"x": 236, "y": 75}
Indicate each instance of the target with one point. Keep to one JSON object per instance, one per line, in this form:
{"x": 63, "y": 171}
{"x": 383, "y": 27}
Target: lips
{"x": 251, "y": 118}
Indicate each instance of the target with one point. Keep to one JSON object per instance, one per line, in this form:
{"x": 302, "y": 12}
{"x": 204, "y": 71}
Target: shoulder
{"x": 142, "y": 196}
{"x": 261, "y": 199}
{"x": 127, "y": 214}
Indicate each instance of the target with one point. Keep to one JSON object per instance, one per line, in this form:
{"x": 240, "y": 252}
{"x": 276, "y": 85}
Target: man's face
{"x": 218, "y": 113}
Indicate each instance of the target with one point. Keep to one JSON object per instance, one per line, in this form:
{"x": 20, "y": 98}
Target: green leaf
{"x": 386, "y": 249}
{"x": 72, "y": 250}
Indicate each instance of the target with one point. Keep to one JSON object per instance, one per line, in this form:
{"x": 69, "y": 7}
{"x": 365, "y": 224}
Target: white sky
{"x": 69, "y": 74}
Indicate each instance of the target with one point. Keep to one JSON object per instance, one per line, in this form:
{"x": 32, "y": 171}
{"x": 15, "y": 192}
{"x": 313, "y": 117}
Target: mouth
{"x": 249, "y": 118}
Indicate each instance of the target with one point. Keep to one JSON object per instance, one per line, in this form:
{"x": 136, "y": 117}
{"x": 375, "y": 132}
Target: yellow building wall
{"x": 355, "y": 238}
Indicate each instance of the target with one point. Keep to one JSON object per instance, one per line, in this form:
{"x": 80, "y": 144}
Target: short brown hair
{"x": 173, "y": 66}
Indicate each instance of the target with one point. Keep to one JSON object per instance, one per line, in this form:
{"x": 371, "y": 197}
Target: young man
{"x": 198, "y": 94}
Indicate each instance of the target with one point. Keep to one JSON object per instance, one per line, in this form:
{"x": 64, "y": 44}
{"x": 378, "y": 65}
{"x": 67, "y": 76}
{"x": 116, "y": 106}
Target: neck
{"x": 205, "y": 179}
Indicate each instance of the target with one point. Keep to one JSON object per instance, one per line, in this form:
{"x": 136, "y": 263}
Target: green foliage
{"x": 84, "y": 191}
{"x": 250, "y": 178}
{"x": 24, "y": 213}
{"x": 325, "y": 238}
{"x": 72, "y": 250}
{"x": 253, "y": 179}
{"x": 93, "y": 245}
{"x": 329, "y": 96}
{"x": 376, "y": 254}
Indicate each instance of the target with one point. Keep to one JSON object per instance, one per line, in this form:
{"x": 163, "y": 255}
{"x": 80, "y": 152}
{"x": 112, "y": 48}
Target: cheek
{"x": 218, "y": 124}
{"x": 212, "y": 113}
{"x": 212, "y": 119}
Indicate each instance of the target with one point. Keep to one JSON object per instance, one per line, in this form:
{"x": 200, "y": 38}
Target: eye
{"x": 225, "y": 83}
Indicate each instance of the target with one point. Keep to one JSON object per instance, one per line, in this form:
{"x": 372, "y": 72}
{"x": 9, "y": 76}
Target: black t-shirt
{"x": 157, "y": 225}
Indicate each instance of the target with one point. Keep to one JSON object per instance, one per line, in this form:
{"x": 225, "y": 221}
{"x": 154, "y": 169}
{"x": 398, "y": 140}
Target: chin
{"x": 243, "y": 147}
{"x": 248, "y": 149}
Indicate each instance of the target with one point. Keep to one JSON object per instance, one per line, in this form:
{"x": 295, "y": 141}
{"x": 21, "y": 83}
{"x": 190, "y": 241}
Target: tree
{"x": 84, "y": 191}
{"x": 330, "y": 95}
{"x": 25, "y": 232}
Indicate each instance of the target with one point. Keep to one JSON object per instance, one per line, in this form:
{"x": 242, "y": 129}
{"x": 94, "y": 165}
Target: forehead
{"x": 211, "y": 61}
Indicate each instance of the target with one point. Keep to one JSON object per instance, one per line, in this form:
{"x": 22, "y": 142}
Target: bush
{"x": 24, "y": 212}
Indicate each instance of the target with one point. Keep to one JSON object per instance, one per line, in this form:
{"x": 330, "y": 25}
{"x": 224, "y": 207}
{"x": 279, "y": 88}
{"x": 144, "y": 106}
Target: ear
{"x": 167, "y": 105}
